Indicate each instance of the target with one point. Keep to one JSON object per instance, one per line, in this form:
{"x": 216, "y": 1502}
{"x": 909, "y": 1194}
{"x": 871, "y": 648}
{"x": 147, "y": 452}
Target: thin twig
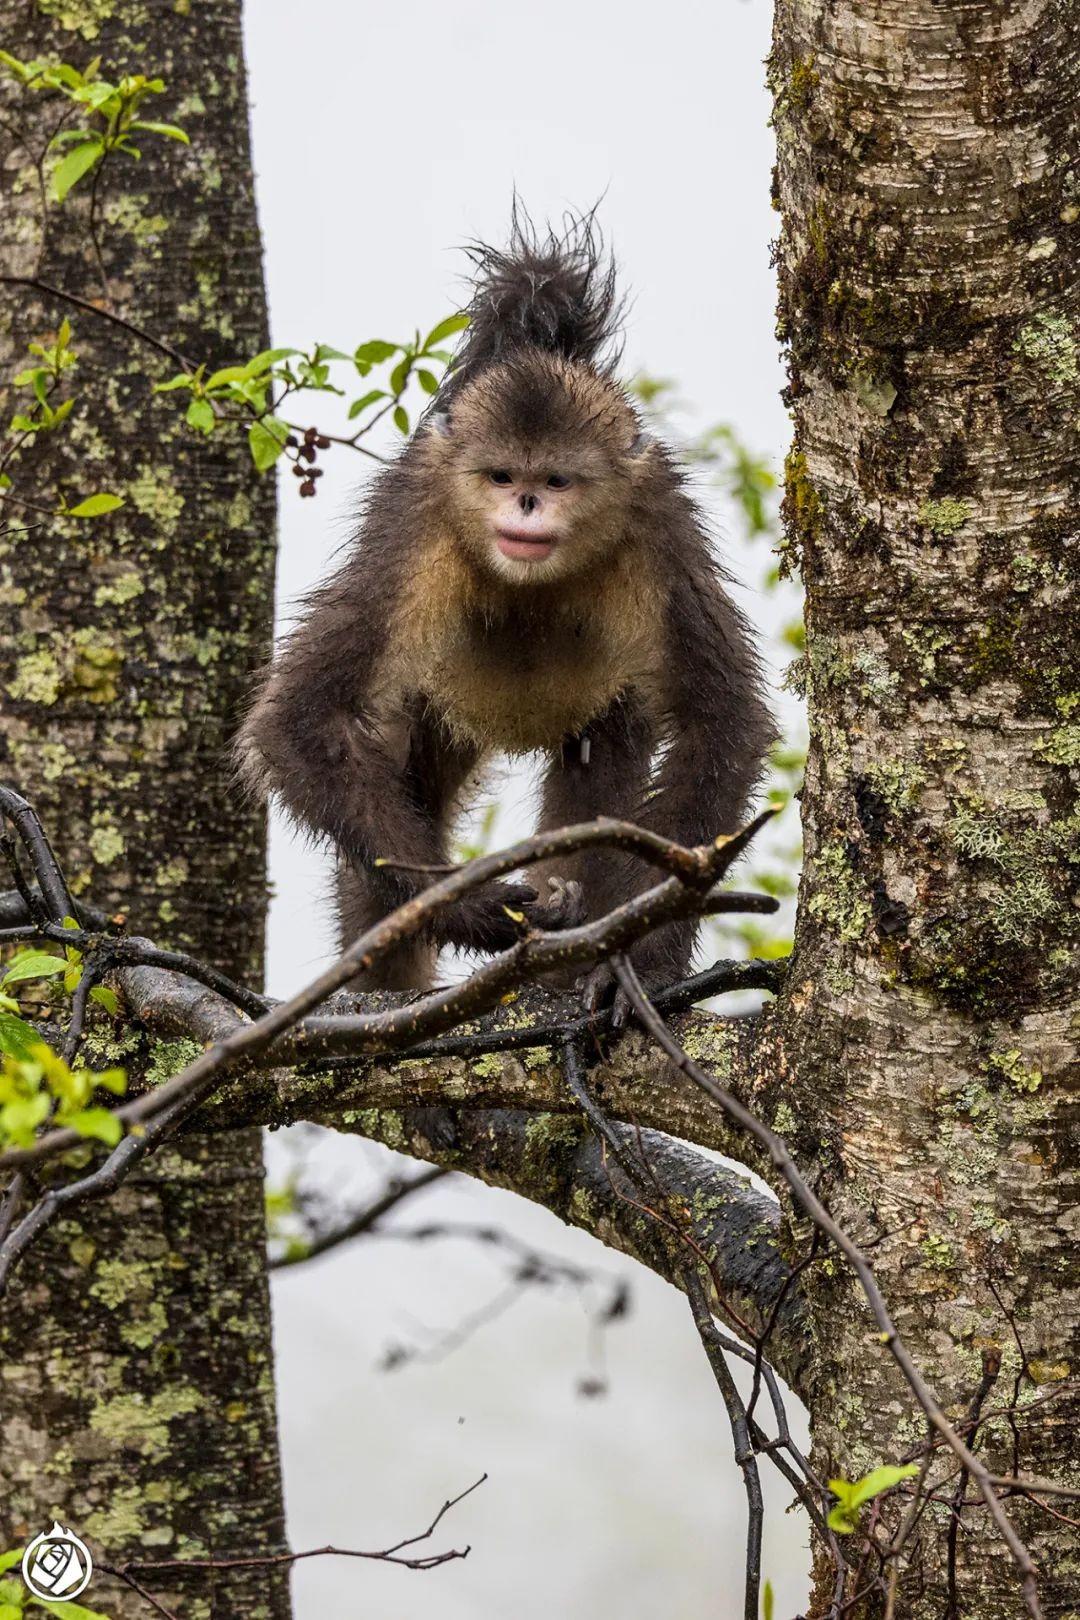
{"x": 362, "y": 1221}
{"x": 808, "y": 1200}
{"x": 388, "y": 1555}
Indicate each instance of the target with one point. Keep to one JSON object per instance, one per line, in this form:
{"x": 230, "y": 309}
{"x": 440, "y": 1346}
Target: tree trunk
{"x": 929, "y": 186}
{"x": 136, "y": 1360}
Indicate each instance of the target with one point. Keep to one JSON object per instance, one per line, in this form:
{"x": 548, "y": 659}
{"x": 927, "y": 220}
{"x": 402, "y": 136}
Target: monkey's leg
{"x": 604, "y": 772}
{"x": 422, "y": 802}
{"x": 409, "y": 966}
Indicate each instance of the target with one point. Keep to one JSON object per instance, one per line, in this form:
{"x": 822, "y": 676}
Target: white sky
{"x": 384, "y": 136}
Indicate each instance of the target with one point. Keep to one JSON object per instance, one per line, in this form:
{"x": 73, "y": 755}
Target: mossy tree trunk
{"x": 929, "y": 187}
{"x": 135, "y": 1358}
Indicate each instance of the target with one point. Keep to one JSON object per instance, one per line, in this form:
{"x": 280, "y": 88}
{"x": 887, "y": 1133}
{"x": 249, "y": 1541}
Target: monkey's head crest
{"x": 550, "y": 290}
{"x": 538, "y": 445}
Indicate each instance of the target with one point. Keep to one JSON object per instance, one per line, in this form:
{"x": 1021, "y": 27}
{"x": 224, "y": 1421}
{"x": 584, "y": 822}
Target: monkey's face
{"x": 539, "y": 518}
{"x": 539, "y": 467}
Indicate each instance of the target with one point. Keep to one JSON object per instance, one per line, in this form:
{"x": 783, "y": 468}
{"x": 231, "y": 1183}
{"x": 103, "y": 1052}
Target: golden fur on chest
{"x": 514, "y": 669}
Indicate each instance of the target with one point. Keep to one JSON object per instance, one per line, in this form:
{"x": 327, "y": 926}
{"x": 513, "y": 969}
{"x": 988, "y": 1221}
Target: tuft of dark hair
{"x": 550, "y": 290}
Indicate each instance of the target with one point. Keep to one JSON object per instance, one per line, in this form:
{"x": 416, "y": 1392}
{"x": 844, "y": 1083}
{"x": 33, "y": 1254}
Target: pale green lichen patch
{"x": 937, "y": 1253}
{"x": 124, "y": 588}
{"x": 1019, "y": 1075}
{"x": 85, "y": 17}
{"x": 1062, "y": 747}
{"x": 37, "y": 678}
{"x": 944, "y": 517}
{"x": 154, "y": 493}
{"x": 488, "y": 1066}
{"x": 106, "y": 840}
{"x": 97, "y": 666}
{"x": 1050, "y": 342}
{"x": 140, "y": 1421}
{"x": 899, "y": 782}
{"x": 168, "y": 1058}
{"x": 381, "y": 1124}
{"x": 838, "y": 899}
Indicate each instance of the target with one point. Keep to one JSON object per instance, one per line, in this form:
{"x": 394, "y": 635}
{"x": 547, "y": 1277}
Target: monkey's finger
{"x": 566, "y": 906}
{"x": 621, "y": 1012}
{"x": 596, "y": 989}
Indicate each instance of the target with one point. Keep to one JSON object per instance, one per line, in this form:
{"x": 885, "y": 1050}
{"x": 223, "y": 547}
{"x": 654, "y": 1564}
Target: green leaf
{"x": 95, "y": 506}
{"x": 323, "y": 351}
{"x": 19, "y": 70}
{"x": 33, "y": 965}
{"x": 375, "y": 352}
{"x": 106, "y": 998}
{"x": 445, "y": 329}
{"x": 5, "y": 481}
{"x": 767, "y": 1602}
{"x": 853, "y": 1494}
{"x": 98, "y": 1123}
{"x": 70, "y": 170}
{"x": 114, "y": 1080}
{"x": 401, "y": 419}
{"x": 182, "y": 380}
{"x": 267, "y": 358}
{"x": 400, "y": 375}
{"x": 359, "y": 405}
{"x": 67, "y": 1611}
{"x": 266, "y": 440}
{"x": 879, "y": 1480}
{"x": 173, "y": 131}
{"x": 20, "y": 1119}
{"x": 8, "y": 1560}
{"x": 200, "y": 415}
{"x": 66, "y": 136}
{"x": 428, "y": 381}
{"x": 227, "y": 374}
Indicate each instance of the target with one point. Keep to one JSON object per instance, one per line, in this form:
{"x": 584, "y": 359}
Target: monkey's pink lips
{"x": 522, "y": 545}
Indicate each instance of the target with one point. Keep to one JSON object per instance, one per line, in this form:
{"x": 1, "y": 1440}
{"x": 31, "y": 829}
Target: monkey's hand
{"x": 490, "y": 919}
{"x": 495, "y": 917}
{"x": 600, "y": 988}
{"x": 564, "y": 908}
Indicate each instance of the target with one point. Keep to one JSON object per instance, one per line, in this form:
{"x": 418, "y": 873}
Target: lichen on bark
{"x": 135, "y": 1343}
{"x": 927, "y": 181}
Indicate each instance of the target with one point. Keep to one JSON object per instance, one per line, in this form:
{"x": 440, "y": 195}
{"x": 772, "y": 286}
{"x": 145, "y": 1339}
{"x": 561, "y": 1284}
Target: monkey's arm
{"x": 719, "y": 724}
{"x": 379, "y": 786}
{"x": 718, "y": 732}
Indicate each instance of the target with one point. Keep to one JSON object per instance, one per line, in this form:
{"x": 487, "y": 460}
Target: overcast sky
{"x": 385, "y": 136}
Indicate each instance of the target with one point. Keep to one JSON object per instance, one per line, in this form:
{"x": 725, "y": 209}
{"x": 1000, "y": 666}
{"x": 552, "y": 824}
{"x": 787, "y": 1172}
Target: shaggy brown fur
{"x": 430, "y": 650}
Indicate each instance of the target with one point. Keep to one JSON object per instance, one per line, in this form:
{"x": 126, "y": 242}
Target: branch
{"x": 554, "y": 1160}
{"x": 807, "y": 1200}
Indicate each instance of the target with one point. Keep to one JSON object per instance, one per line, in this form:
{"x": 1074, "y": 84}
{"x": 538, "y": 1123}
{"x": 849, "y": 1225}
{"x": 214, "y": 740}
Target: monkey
{"x": 529, "y": 575}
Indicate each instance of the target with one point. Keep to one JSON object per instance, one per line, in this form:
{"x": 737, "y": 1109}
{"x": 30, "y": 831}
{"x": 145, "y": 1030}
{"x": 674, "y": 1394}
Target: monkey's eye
{"x": 501, "y": 476}
{"x": 558, "y": 481}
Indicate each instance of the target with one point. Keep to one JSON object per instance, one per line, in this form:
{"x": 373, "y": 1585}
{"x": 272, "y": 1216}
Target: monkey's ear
{"x": 640, "y": 444}
{"x": 439, "y": 422}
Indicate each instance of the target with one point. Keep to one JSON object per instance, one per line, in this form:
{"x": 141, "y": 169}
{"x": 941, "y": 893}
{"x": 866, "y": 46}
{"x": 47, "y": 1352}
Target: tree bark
{"x": 928, "y": 179}
{"x": 136, "y": 1360}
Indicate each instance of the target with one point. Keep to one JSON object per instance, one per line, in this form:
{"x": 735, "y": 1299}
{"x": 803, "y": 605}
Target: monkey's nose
{"x": 528, "y": 503}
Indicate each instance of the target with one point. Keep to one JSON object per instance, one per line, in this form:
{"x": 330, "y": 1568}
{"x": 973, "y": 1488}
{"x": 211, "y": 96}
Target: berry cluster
{"x": 304, "y": 466}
